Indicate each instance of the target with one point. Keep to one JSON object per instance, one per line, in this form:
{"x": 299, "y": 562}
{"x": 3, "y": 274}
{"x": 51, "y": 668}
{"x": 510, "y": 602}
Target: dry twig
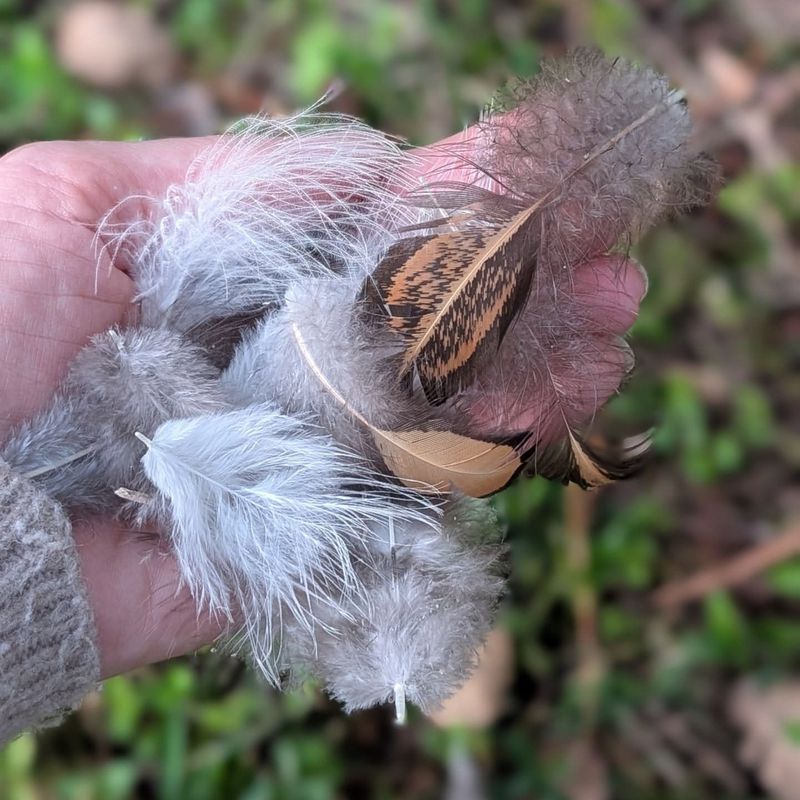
{"x": 739, "y": 569}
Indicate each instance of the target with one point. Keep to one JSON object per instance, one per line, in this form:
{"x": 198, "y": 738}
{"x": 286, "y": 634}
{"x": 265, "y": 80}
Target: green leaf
{"x": 785, "y": 578}
{"x": 123, "y": 704}
{"x": 726, "y": 628}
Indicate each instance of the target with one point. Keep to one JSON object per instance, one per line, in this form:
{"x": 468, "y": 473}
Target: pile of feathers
{"x": 334, "y": 364}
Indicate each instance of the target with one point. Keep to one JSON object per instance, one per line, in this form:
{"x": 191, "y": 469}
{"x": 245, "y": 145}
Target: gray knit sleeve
{"x": 48, "y": 655}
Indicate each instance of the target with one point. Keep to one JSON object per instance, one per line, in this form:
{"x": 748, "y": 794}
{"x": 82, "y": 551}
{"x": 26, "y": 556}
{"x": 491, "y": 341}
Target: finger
{"x": 90, "y": 178}
{"x": 608, "y": 291}
{"x": 449, "y": 160}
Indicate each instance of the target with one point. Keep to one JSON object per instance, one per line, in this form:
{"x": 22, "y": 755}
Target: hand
{"x": 55, "y": 294}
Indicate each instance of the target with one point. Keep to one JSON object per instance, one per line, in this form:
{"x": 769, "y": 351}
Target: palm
{"x": 54, "y": 294}
{"x": 48, "y": 306}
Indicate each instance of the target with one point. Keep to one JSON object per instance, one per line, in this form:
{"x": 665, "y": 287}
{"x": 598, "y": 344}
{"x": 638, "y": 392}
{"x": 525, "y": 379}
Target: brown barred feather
{"x": 581, "y": 160}
{"x": 452, "y": 297}
{"x": 574, "y": 460}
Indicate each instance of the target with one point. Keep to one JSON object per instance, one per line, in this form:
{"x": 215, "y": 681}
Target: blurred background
{"x": 650, "y": 644}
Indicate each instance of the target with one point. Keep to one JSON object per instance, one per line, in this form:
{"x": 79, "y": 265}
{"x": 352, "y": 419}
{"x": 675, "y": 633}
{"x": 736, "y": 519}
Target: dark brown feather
{"x": 220, "y": 336}
{"x": 574, "y": 460}
{"x": 451, "y": 297}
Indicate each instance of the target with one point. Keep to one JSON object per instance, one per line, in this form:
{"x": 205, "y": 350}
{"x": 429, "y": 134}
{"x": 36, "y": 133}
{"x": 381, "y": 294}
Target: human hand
{"x": 55, "y": 294}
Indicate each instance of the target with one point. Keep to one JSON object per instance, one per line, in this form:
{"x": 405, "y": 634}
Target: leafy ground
{"x": 655, "y": 624}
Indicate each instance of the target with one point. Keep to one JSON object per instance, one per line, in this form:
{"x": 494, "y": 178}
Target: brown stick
{"x": 739, "y": 569}
{"x": 578, "y": 510}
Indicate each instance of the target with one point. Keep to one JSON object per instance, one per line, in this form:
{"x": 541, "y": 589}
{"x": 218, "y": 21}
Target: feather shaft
{"x": 432, "y": 460}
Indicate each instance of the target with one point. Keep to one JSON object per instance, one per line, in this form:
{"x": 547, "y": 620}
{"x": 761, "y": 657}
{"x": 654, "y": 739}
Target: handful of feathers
{"x": 333, "y": 364}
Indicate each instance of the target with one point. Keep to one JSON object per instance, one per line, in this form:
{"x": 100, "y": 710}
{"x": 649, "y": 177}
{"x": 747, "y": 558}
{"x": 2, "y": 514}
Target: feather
{"x": 82, "y": 447}
{"x": 268, "y": 517}
{"x": 492, "y": 315}
{"x": 318, "y": 339}
{"x": 270, "y": 202}
{"x": 58, "y": 450}
{"x": 452, "y": 296}
{"x": 269, "y": 366}
{"x": 442, "y": 460}
{"x": 430, "y": 603}
{"x": 607, "y": 141}
{"x": 564, "y": 359}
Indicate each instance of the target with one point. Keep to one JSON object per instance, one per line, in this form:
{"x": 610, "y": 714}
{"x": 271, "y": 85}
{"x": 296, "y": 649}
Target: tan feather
{"x": 452, "y": 296}
{"x": 431, "y": 460}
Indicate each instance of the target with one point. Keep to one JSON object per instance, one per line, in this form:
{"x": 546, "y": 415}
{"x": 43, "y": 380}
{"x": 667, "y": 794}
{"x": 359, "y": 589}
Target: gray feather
{"x": 270, "y": 202}
{"x": 122, "y": 382}
{"x": 270, "y": 517}
{"x": 430, "y": 603}
{"x": 359, "y": 362}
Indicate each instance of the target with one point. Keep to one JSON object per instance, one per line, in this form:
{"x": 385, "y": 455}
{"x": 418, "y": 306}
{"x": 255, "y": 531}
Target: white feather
{"x": 272, "y": 201}
{"x": 269, "y": 516}
{"x": 431, "y": 598}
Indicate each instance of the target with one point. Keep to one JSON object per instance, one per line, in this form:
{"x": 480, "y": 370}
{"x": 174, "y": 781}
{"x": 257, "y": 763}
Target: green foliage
{"x": 36, "y": 97}
{"x": 727, "y": 634}
{"x": 713, "y": 384}
{"x": 625, "y": 547}
{"x": 785, "y": 578}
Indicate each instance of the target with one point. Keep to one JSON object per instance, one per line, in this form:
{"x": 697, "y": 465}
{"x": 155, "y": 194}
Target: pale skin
{"x": 53, "y": 296}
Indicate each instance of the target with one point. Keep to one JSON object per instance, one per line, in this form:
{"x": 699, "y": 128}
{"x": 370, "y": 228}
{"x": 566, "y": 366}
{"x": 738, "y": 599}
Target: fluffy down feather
{"x": 122, "y": 382}
{"x": 269, "y": 517}
{"x": 272, "y": 202}
{"x": 605, "y": 143}
{"x": 430, "y": 603}
{"x": 357, "y": 361}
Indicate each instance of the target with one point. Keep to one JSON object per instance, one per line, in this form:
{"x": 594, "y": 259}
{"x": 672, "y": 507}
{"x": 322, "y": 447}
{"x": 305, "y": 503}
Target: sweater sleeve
{"x": 48, "y": 655}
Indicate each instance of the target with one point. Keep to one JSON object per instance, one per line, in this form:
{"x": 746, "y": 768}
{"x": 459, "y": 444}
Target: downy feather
{"x": 430, "y": 603}
{"x": 82, "y": 447}
{"x": 269, "y": 517}
{"x": 269, "y": 365}
{"x": 271, "y": 202}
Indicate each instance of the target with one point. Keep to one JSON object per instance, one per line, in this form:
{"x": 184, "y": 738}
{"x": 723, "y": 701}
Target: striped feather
{"x": 452, "y": 297}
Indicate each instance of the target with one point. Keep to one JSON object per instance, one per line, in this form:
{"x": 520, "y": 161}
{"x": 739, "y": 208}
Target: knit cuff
{"x": 48, "y": 655}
